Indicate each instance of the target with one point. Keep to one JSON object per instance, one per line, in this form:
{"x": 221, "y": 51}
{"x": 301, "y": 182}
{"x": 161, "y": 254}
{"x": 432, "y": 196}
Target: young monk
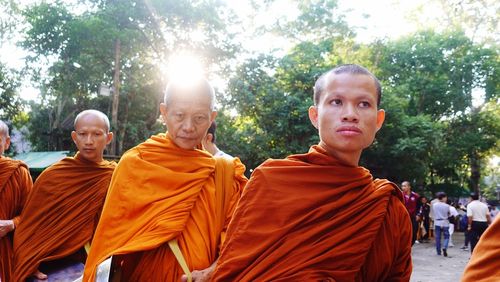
{"x": 15, "y": 186}
{"x": 62, "y": 213}
{"x": 165, "y": 190}
{"x": 319, "y": 216}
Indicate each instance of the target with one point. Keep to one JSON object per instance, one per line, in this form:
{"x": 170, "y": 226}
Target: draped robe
{"x": 15, "y": 186}
{"x": 310, "y": 218}
{"x": 160, "y": 192}
{"x": 61, "y": 214}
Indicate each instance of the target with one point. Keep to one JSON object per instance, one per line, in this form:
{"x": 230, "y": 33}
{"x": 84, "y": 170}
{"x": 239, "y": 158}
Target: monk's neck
{"x": 82, "y": 158}
{"x": 346, "y": 158}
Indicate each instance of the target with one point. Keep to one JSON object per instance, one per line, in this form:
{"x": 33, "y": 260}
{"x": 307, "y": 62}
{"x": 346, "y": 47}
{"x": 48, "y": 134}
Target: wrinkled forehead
{"x": 190, "y": 100}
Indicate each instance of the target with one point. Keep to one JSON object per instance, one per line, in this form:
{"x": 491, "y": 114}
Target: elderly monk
{"x": 165, "y": 190}
{"x": 319, "y": 216}
{"x": 484, "y": 264}
{"x": 15, "y": 185}
{"x": 63, "y": 210}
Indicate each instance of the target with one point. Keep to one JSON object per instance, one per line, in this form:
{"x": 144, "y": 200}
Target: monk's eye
{"x": 336, "y": 102}
{"x": 97, "y": 133}
{"x": 364, "y": 104}
{"x": 179, "y": 116}
{"x": 199, "y": 119}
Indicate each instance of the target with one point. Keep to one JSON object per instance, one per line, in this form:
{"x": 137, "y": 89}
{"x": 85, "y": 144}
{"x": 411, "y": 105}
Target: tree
{"x": 83, "y": 48}
{"x": 10, "y": 104}
{"x": 436, "y": 74}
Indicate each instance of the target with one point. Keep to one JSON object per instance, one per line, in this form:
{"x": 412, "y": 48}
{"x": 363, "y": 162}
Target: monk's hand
{"x": 204, "y": 275}
{"x": 6, "y": 226}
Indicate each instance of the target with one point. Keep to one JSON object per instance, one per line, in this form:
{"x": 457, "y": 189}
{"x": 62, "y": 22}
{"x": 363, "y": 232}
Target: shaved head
{"x": 95, "y": 113}
{"x": 353, "y": 69}
{"x": 4, "y": 137}
{"x": 4, "y": 129}
{"x": 197, "y": 90}
{"x": 406, "y": 186}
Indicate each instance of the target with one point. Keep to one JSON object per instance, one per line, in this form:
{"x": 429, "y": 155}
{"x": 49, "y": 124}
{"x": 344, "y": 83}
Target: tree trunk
{"x": 475, "y": 172}
{"x": 123, "y": 127}
{"x": 116, "y": 93}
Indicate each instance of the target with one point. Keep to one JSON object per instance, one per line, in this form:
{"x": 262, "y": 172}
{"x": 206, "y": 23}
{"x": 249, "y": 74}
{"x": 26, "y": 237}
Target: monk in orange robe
{"x": 484, "y": 264}
{"x": 15, "y": 186}
{"x": 63, "y": 210}
{"x": 166, "y": 189}
{"x": 319, "y": 216}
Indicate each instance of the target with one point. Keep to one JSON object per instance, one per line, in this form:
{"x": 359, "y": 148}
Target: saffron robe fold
{"x": 484, "y": 264}
{"x": 61, "y": 214}
{"x": 310, "y": 218}
{"x": 160, "y": 192}
{"x": 15, "y": 186}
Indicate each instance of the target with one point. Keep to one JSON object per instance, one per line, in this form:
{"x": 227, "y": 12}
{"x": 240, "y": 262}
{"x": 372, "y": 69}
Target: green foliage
{"x": 10, "y": 103}
{"x": 81, "y": 51}
{"x": 437, "y": 72}
{"x": 317, "y": 20}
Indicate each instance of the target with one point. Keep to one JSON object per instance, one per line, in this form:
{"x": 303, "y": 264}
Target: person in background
{"x": 411, "y": 200}
{"x": 452, "y": 219}
{"x": 479, "y": 218}
{"x": 423, "y": 214}
{"x": 464, "y": 222}
{"x": 441, "y": 211}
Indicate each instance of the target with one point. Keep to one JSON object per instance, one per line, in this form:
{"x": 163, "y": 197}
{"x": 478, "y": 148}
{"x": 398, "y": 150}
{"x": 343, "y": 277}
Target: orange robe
{"x": 15, "y": 186}
{"x": 310, "y": 218}
{"x": 484, "y": 264}
{"x": 160, "y": 192}
{"x": 61, "y": 214}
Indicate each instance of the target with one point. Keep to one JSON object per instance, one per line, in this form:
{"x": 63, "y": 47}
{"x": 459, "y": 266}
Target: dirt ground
{"x": 429, "y": 267}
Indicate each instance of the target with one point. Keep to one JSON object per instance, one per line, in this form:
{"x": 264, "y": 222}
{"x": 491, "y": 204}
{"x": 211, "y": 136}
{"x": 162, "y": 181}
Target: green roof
{"x": 38, "y": 161}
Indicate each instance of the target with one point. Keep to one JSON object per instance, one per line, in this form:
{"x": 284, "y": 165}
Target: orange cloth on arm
{"x": 160, "y": 192}
{"x": 61, "y": 214}
{"x": 15, "y": 186}
{"x": 310, "y": 218}
{"x": 484, "y": 264}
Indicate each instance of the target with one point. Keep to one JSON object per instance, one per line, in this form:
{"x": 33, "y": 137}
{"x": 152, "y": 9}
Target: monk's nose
{"x": 89, "y": 139}
{"x": 350, "y": 113}
{"x": 188, "y": 125}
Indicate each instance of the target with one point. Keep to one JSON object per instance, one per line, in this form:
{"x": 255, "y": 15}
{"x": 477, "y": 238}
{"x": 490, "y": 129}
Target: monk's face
{"x": 347, "y": 116}
{"x": 91, "y": 137}
{"x": 188, "y": 117}
{"x": 4, "y": 143}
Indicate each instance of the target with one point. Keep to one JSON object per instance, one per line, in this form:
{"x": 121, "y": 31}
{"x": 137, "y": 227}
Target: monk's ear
{"x": 209, "y": 137}
{"x": 109, "y": 137}
{"x": 7, "y": 143}
{"x": 163, "y": 111}
{"x": 313, "y": 116}
{"x": 212, "y": 116}
{"x": 73, "y": 136}
{"x": 380, "y": 118}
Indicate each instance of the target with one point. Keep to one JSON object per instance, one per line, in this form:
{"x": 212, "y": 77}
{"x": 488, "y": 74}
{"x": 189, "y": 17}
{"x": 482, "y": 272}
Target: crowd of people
{"x": 441, "y": 216}
{"x": 176, "y": 208}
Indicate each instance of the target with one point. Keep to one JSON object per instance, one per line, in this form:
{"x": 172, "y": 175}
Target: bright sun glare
{"x": 184, "y": 68}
